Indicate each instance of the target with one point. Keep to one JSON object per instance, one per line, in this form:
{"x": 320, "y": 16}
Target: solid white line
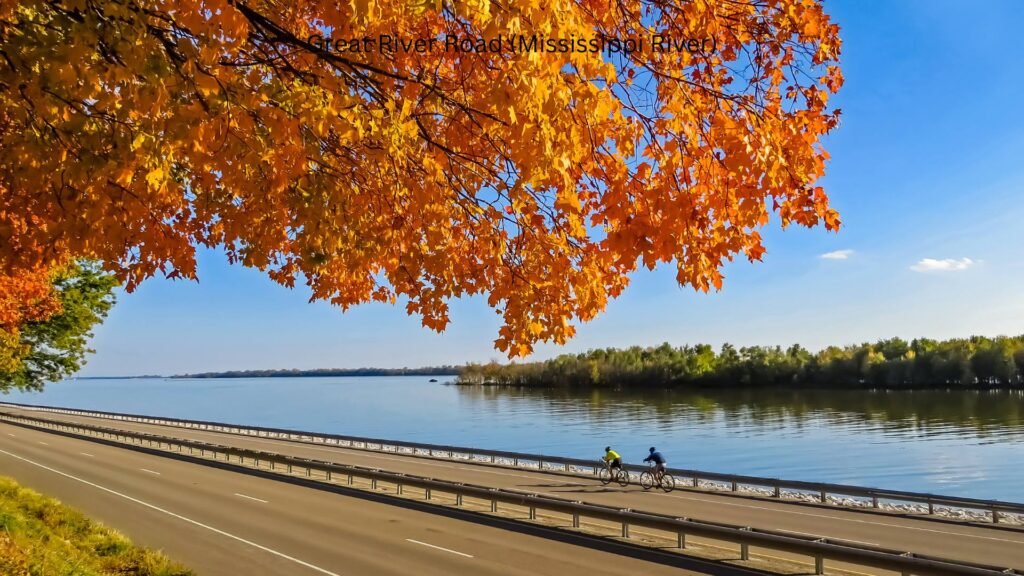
{"x": 436, "y": 547}
{"x": 251, "y": 498}
{"x": 43, "y": 443}
{"x": 86, "y": 454}
{"x": 11, "y": 435}
{"x": 150, "y": 471}
{"x": 178, "y": 516}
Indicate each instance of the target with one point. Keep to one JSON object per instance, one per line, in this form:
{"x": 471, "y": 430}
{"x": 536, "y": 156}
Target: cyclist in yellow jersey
{"x": 612, "y": 458}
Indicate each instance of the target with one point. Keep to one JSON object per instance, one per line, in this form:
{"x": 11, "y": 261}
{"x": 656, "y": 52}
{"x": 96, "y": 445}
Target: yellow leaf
{"x": 155, "y": 177}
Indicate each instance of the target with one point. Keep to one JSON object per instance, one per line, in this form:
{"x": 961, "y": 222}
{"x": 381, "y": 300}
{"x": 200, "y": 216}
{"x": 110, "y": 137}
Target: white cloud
{"x": 945, "y": 265}
{"x": 837, "y": 255}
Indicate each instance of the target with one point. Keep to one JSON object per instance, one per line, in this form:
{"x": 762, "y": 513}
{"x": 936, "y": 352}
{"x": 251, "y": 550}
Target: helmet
{"x": 607, "y": 448}
{"x": 652, "y": 449}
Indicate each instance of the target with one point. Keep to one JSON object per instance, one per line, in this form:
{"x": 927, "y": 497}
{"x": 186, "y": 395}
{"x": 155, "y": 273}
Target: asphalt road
{"x": 223, "y": 522}
{"x": 949, "y": 540}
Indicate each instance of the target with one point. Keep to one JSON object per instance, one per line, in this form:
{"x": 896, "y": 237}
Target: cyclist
{"x": 658, "y": 459}
{"x": 613, "y": 461}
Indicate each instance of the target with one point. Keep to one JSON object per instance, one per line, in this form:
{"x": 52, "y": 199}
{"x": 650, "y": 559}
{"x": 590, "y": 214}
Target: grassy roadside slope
{"x": 39, "y": 536}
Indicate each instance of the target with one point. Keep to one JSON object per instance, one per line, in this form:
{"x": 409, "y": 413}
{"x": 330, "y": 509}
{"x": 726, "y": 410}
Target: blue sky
{"x": 928, "y": 163}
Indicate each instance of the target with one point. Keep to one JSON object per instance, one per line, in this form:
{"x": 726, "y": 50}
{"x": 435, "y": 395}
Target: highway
{"x": 220, "y": 522}
{"x": 989, "y": 545}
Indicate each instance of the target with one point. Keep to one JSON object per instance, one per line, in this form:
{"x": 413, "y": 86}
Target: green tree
{"x": 893, "y": 348}
{"x": 993, "y": 362}
{"x": 56, "y": 348}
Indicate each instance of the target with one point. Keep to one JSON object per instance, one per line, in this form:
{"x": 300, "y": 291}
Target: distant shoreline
{"x": 977, "y": 362}
{"x": 327, "y": 373}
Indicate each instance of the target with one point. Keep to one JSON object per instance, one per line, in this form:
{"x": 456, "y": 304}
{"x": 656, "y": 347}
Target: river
{"x": 964, "y": 443}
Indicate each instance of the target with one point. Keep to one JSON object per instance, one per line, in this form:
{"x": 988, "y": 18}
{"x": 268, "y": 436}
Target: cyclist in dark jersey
{"x": 658, "y": 459}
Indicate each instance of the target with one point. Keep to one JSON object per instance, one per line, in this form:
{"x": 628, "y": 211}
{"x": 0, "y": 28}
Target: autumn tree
{"x": 25, "y": 298}
{"x": 133, "y": 132}
{"x": 48, "y": 347}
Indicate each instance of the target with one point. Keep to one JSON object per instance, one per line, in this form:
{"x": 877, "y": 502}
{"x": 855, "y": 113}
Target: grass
{"x": 39, "y": 536}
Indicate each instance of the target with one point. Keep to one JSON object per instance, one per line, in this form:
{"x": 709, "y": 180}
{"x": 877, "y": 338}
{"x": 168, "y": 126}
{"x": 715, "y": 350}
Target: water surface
{"x": 965, "y": 443}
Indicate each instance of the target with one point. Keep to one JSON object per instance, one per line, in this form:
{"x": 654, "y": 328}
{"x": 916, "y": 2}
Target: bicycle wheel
{"x": 623, "y": 478}
{"x": 646, "y": 480}
{"x": 604, "y": 475}
{"x": 668, "y": 483}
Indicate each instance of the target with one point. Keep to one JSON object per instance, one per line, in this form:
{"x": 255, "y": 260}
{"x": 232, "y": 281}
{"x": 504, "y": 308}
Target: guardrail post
{"x": 819, "y": 565}
{"x": 625, "y": 529}
{"x": 576, "y": 519}
{"x": 458, "y": 499}
{"x": 533, "y": 512}
{"x": 907, "y": 555}
{"x": 289, "y": 468}
{"x": 309, "y": 472}
{"x": 494, "y": 506}
{"x": 874, "y": 501}
{"x": 373, "y": 483}
{"x": 398, "y": 488}
{"x": 515, "y": 462}
{"x": 695, "y": 481}
{"x": 733, "y": 485}
{"x": 328, "y": 475}
{"x": 778, "y": 491}
{"x": 995, "y": 516}
{"x": 350, "y": 480}
{"x": 426, "y": 492}
{"x": 744, "y": 548}
{"x": 931, "y": 507}
{"x": 824, "y": 496}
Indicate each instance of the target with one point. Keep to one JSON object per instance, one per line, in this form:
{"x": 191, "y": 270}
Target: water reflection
{"x": 982, "y": 415}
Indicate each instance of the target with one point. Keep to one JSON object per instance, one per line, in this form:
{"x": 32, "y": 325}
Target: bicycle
{"x": 647, "y": 479}
{"x": 605, "y": 475}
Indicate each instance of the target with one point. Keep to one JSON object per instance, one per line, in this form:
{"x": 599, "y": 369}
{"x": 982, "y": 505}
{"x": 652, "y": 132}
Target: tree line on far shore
{"x": 976, "y": 362}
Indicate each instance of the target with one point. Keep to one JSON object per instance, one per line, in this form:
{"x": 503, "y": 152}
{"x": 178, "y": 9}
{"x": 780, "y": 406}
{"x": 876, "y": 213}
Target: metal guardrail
{"x": 488, "y": 500}
{"x": 789, "y": 490}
